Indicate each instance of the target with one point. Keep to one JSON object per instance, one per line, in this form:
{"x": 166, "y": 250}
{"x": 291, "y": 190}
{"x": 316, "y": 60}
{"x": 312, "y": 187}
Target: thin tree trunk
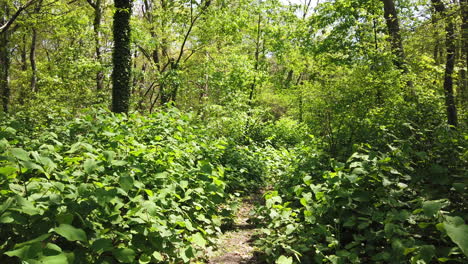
{"x": 97, "y": 43}
{"x": 4, "y": 58}
{"x": 97, "y": 6}
{"x": 32, "y": 60}
{"x": 121, "y": 57}
{"x": 257, "y": 58}
{"x": 24, "y": 54}
{"x": 396, "y": 43}
{"x": 32, "y": 53}
{"x": 4, "y": 70}
{"x": 450, "y": 46}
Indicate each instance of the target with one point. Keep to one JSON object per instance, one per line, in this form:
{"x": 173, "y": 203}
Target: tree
{"x": 32, "y": 51}
{"x": 6, "y": 22}
{"x": 439, "y": 7}
{"x": 97, "y": 6}
{"x": 393, "y": 26}
{"x": 121, "y": 57}
{"x": 464, "y": 50}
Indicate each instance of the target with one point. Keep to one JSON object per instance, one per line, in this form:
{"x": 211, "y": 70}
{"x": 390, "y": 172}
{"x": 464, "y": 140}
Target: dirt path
{"x": 235, "y": 246}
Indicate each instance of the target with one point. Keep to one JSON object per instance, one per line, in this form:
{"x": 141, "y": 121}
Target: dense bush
{"x": 104, "y": 188}
{"x": 403, "y": 204}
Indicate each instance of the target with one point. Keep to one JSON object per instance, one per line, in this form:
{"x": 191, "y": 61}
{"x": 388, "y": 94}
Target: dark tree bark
{"x": 4, "y": 58}
{"x": 450, "y": 47}
{"x": 4, "y": 70}
{"x": 24, "y": 54}
{"x": 32, "y": 51}
{"x": 393, "y": 26}
{"x": 121, "y": 57}
{"x": 32, "y": 60}
{"x": 6, "y": 21}
{"x": 97, "y": 6}
{"x": 464, "y": 52}
{"x": 257, "y": 57}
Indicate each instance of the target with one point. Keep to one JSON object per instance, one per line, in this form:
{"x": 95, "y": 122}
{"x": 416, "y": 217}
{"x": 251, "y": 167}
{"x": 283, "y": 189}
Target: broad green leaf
{"x": 90, "y": 166}
{"x": 119, "y": 163}
{"x": 198, "y": 240}
{"x": 124, "y": 255}
{"x": 186, "y": 254}
{"x": 102, "y": 245}
{"x": 26, "y": 252}
{"x": 126, "y": 182}
{"x": 427, "y": 252}
{"x": 7, "y": 171}
{"x": 284, "y": 260}
{"x": 109, "y": 155}
{"x": 158, "y": 256}
{"x": 26, "y": 206}
{"x": 20, "y": 154}
{"x": 6, "y": 205}
{"x": 71, "y": 233}
{"x": 35, "y": 240}
{"x": 430, "y": 208}
{"x": 458, "y": 232}
{"x": 56, "y": 259}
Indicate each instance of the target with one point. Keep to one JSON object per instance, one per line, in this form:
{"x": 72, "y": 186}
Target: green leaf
{"x": 71, "y": 233}
{"x": 26, "y": 206}
{"x": 118, "y": 163}
{"x": 284, "y": 260}
{"x": 7, "y": 171}
{"x": 124, "y": 255}
{"x": 6, "y": 205}
{"x": 126, "y": 182}
{"x": 89, "y": 166}
{"x": 458, "y": 232}
{"x": 20, "y": 154}
{"x": 102, "y": 245}
{"x": 56, "y": 259}
{"x": 35, "y": 240}
{"x": 198, "y": 240}
{"x": 109, "y": 155}
{"x": 432, "y": 207}
{"x": 26, "y": 252}
{"x": 158, "y": 256}
{"x": 144, "y": 259}
{"x": 427, "y": 252}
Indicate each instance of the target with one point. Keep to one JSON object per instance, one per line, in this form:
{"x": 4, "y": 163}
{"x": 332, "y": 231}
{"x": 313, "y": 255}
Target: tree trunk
{"x": 32, "y": 60}
{"x": 4, "y": 59}
{"x": 257, "y": 58}
{"x": 121, "y": 57}
{"x": 4, "y": 71}
{"x": 393, "y": 26}
{"x": 396, "y": 43}
{"x": 32, "y": 53}
{"x": 464, "y": 52}
{"x": 450, "y": 62}
{"x": 97, "y": 43}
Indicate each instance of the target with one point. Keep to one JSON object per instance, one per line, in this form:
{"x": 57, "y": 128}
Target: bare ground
{"x": 235, "y": 246}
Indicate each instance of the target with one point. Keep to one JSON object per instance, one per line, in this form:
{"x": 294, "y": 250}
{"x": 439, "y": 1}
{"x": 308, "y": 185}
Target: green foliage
{"x": 106, "y": 187}
{"x": 378, "y": 206}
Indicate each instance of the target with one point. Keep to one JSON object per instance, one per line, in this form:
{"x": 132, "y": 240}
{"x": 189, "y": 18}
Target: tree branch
{"x": 91, "y": 3}
{"x": 8, "y": 24}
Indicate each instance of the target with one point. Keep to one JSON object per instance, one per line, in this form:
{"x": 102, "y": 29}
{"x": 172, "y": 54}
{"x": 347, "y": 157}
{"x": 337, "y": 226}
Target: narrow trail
{"x": 236, "y": 245}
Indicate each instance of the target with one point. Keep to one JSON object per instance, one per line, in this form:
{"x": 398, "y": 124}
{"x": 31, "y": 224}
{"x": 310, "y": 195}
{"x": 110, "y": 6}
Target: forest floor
{"x": 236, "y": 244}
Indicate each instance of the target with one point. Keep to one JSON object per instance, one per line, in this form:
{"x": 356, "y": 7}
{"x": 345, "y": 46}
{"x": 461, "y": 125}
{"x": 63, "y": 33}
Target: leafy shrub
{"x": 375, "y": 208}
{"x": 104, "y": 188}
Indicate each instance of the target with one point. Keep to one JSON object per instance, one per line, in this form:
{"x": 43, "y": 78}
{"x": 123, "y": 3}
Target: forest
{"x": 233, "y": 131}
